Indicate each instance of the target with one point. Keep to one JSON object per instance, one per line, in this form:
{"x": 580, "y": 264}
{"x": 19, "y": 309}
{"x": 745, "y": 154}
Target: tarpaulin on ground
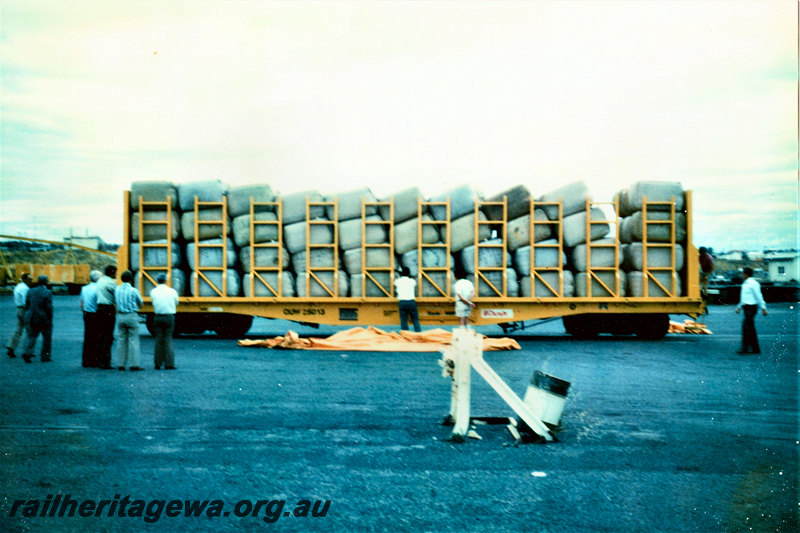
{"x": 688, "y": 326}
{"x": 372, "y": 339}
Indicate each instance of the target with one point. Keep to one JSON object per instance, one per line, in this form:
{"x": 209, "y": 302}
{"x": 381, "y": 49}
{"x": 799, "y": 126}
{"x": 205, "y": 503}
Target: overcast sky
{"x": 341, "y": 95}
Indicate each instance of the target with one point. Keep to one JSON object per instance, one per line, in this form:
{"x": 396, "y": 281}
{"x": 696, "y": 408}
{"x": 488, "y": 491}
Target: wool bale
{"x": 350, "y": 232}
{"x": 358, "y": 281}
{"x": 234, "y": 284}
{"x": 205, "y": 191}
{"x": 141, "y": 282}
{"x": 210, "y": 230}
{"x": 239, "y": 199}
{"x": 294, "y": 235}
{"x": 657, "y": 257}
{"x": 349, "y": 204}
{"x": 261, "y": 232}
{"x": 211, "y": 256}
{"x": 519, "y": 230}
{"x": 573, "y": 199}
{"x": 405, "y": 234}
{"x": 545, "y": 256}
{"x": 153, "y": 191}
{"x": 294, "y": 206}
{"x": 518, "y": 203}
{"x": 551, "y": 278}
{"x": 664, "y": 277}
{"x": 406, "y": 205}
{"x": 155, "y": 232}
{"x": 487, "y": 257}
{"x": 602, "y": 256}
{"x": 496, "y": 279}
{"x": 375, "y": 258}
{"x": 319, "y": 258}
{"x": 633, "y": 227}
{"x": 608, "y": 278}
{"x": 317, "y": 290}
{"x": 654, "y": 191}
{"x": 156, "y": 256}
{"x": 431, "y": 257}
{"x": 286, "y": 289}
{"x": 462, "y": 231}
{"x": 264, "y": 256}
{"x": 574, "y": 227}
{"x": 462, "y": 202}
{"x": 437, "y": 284}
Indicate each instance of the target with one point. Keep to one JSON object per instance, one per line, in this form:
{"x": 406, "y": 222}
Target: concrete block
{"x": 601, "y": 256}
{"x": 655, "y": 191}
{"x": 542, "y": 291}
{"x": 262, "y": 232}
{"x": 350, "y": 235}
{"x": 319, "y": 258}
{"x": 205, "y": 191}
{"x": 573, "y": 199}
{"x": 664, "y": 277}
{"x": 294, "y": 206}
{"x": 349, "y": 204}
{"x": 205, "y": 231}
{"x": 462, "y": 202}
{"x": 383, "y": 278}
{"x": 264, "y": 257}
{"x": 294, "y": 235}
{"x": 574, "y": 227}
{"x": 156, "y": 256}
{"x": 405, "y": 234}
{"x": 632, "y": 227}
{"x": 487, "y": 257}
{"x": 239, "y": 199}
{"x": 431, "y": 257}
{"x": 657, "y": 257}
{"x": 286, "y": 290}
{"x": 598, "y": 291}
{"x": 155, "y": 232}
{"x": 406, "y": 204}
{"x": 154, "y": 191}
{"x": 212, "y": 256}
{"x": 376, "y": 257}
{"x": 178, "y": 281}
{"x": 496, "y": 279}
{"x": 316, "y": 290}
{"x": 462, "y": 231}
{"x": 215, "y": 276}
{"x": 518, "y": 203}
{"x": 545, "y": 256}
{"x": 519, "y": 230}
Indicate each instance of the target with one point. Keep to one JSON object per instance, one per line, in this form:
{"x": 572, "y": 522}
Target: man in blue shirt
{"x": 128, "y": 301}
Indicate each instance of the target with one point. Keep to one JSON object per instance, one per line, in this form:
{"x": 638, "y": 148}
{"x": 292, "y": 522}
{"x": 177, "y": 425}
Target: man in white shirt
{"x": 20, "y": 292}
{"x": 106, "y": 288}
{"x": 165, "y": 301}
{"x": 465, "y": 292}
{"x": 88, "y": 301}
{"x": 405, "y": 286}
{"x": 751, "y": 300}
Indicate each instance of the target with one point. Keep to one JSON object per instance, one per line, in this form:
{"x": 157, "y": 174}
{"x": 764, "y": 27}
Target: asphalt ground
{"x": 680, "y": 434}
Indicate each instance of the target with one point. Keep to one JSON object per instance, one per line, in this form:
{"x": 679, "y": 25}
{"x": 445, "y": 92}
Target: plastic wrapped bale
{"x": 209, "y": 230}
{"x": 239, "y": 199}
{"x": 602, "y": 255}
{"x": 654, "y": 191}
{"x": 317, "y": 290}
{"x": 573, "y": 199}
{"x": 205, "y": 191}
{"x": 153, "y": 191}
{"x": 435, "y": 283}
{"x": 375, "y": 258}
{"x": 349, "y": 204}
{"x": 294, "y": 206}
{"x": 405, "y": 234}
{"x": 664, "y": 277}
{"x": 286, "y": 288}
{"x": 488, "y": 257}
{"x": 141, "y": 282}
{"x": 496, "y": 279}
{"x": 519, "y": 230}
{"x": 261, "y": 232}
{"x": 234, "y": 283}
{"x": 518, "y": 203}
{"x": 545, "y": 256}
{"x": 350, "y": 232}
{"x": 294, "y": 235}
{"x": 264, "y": 256}
{"x": 211, "y": 256}
{"x": 608, "y": 278}
{"x": 155, "y": 232}
{"x": 406, "y": 204}
{"x": 657, "y": 257}
{"x": 319, "y": 258}
{"x": 431, "y": 257}
{"x": 574, "y": 227}
{"x": 373, "y": 290}
{"x": 633, "y": 227}
{"x": 551, "y": 290}
{"x": 462, "y": 231}
{"x": 156, "y": 256}
{"x": 462, "y": 202}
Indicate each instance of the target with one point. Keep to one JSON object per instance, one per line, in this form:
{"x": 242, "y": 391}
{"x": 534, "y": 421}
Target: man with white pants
{"x": 128, "y": 302}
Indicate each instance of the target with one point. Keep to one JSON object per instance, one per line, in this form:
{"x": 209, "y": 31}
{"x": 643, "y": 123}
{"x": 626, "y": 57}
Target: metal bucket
{"x": 546, "y": 396}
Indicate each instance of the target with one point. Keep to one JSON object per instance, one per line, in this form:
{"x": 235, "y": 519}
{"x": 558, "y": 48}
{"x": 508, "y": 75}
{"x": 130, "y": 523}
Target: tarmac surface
{"x": 680, "y": 434}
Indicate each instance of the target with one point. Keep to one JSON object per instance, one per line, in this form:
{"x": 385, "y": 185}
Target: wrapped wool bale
{"x": 261, "y": 232}
{"x": 153, "y": 191}
{"x": 431, "y": 257}
{"x": 316, "y": 290}
{"x": 349, "y": 204}
{"x": 653, "y": 191}
{"x": 462, "y": 202}
{"x": 358, "y": 281}
{"x": 259, "y": 289}
{"x": 294, "y": 206}
{"x": 608, "y": 278}
{"x": 350, "y": 232}
{"x": 375, "y": 258}
{"x": 209, "y": 227}
{"x": 488, "y": 257}
{"x": 545, "y": 256}
{"x": 518, "y": 203}
{"x": 602, "y": 255}
{"x": 664, "y": 277}
{"x": 405, "y": 234}
{"x": 141, "y": 282}
{"x": 519, "y": 230}
{"x": 239, "y": 199}
{"x": 319, "y": 258}
{"x": 294, "y": 235}
{"x": 495, "y": 277}
{"x": 462, "y": 231}
{"x": 156, "y": 256}
{"x": 573, "y": 200}
{"x": 657, "y": 257}
{"x": 552, "y": 279}
{"x": 632, "y": 227}
{"x": 574, "y": 227}
{"x": 205, "y": 191}
{"x": 406, "y": 205}
{"x": 155, "y": 232}
{"x": 436, "y": 283}
{"x": 234, "y": 283}
{"x": 263, "y": 256}
{"x": 211, "y": 256}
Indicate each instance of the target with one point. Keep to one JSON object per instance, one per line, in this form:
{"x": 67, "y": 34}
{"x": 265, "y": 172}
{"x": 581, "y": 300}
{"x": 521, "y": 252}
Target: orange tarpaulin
{"x": 372, "y": 339}
{"x": 688, "y": 326}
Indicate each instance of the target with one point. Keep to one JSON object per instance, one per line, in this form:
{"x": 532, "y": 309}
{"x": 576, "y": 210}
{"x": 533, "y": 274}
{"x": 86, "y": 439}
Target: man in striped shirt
{"x": 128, "y": 302}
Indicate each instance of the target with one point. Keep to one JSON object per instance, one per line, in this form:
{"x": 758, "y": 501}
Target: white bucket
{"x": 546, "y": 396}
